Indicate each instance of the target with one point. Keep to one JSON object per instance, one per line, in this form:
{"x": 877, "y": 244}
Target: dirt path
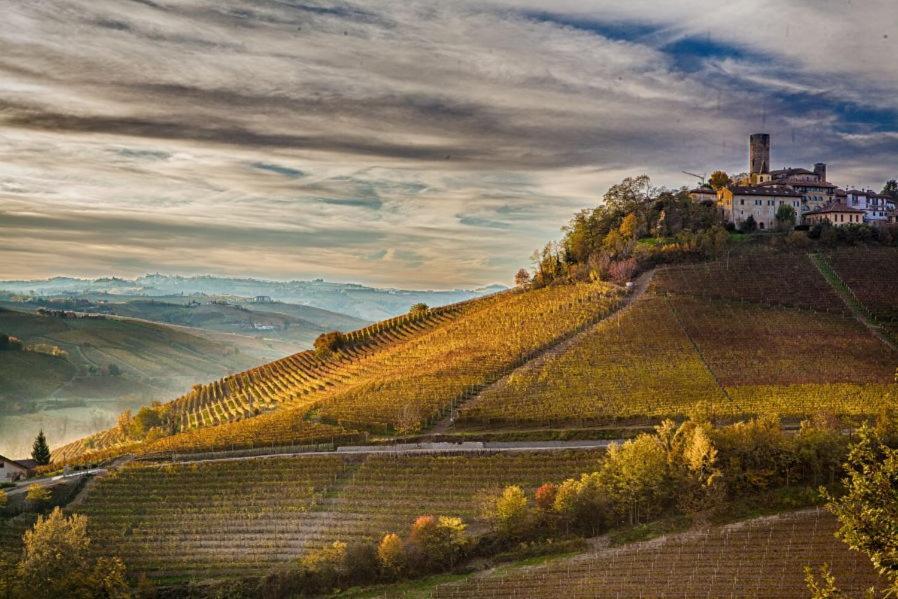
{"x": 639, "y": 287}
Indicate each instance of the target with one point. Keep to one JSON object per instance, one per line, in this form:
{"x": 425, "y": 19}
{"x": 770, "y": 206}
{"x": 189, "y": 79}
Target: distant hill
{"x": 359, "y": 301}
{"x": 106, "y": 365}
{"x": 276, "y": 320}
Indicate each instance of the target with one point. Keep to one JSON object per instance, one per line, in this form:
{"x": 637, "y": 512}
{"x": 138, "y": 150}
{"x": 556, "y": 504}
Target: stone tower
{"x": 759, "y": 154}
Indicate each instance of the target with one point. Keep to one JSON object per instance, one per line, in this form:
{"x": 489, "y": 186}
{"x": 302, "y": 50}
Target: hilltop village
{"x": 757, "y": 196}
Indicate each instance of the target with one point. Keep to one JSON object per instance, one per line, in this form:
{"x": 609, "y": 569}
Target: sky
{"x": 403, "y": 143}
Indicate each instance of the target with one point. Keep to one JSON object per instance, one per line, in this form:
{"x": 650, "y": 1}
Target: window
{"x": 761, "y": 225}
{"x": 742, "y": 202}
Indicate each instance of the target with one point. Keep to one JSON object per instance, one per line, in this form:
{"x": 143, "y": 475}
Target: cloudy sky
{"x": 405, "y": 143}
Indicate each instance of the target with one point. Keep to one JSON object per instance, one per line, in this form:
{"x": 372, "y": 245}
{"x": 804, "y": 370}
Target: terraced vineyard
{"x": 637, "y": 364}
{"x": 760, "y": 558}
{"x": 393, "y": 376}
{"x": 682, "y": 345}
{"x": 232, "y": 517}
{"x": 419, "y": 381}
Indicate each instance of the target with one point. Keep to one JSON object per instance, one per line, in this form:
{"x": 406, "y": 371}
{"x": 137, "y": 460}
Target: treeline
{"x": 601, "y": 243}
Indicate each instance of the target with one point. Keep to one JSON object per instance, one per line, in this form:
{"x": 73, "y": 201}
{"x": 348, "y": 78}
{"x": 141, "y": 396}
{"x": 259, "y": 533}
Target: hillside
{"x": 702, "y": 338}
{"x": 110, "y": 365}
{"x": 748, "y": 335}
{"x": 759, "y": 558}
{"x": 292, "y": 323}
{"x": 238, "y": 517}
{"x": 397, "y": 375}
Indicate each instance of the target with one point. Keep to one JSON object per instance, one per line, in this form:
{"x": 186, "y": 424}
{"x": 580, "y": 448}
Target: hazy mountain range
{"x": 360, "y": 301}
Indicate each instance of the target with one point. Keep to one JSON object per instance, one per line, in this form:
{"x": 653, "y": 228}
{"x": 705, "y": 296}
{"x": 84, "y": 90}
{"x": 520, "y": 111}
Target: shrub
{"x": 37, "y": 495}
{"x": 8, "y": 343}
{"x": 418, "y": 309}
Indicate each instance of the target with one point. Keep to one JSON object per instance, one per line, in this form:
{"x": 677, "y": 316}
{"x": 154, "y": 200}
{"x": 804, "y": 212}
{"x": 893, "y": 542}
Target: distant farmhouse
{"x": 761, "y": 193}
{"x": 13, "y": 470}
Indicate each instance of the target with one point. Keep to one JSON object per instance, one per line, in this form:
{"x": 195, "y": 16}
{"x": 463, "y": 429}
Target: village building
{"x": 837, "y": 214}
{"x": 760, "y": 202}
{"x": 878, "y": 208}
{"x": 705, "y": 193}
{"x": 13, "y": 470}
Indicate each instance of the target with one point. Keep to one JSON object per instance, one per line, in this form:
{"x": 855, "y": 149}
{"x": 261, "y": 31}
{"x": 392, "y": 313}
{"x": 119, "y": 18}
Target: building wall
{"x": 10, "y": 471}
{"x": 737, "y": 208}
{"x": 838, "y": 219}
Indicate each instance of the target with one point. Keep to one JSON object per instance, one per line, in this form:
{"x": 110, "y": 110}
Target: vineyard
{"x": 760, "y": 558}
{"x": 766, "y": 279}
{"x": 392, "y": 376}
{"x": 244, "y": 516}
{"x": 872, "y": 276}
{"x": 691, "y": 342}
{"x": 633, "y": 365}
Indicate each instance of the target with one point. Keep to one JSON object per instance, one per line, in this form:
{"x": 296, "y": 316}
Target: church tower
{"x": 759, "y": 158}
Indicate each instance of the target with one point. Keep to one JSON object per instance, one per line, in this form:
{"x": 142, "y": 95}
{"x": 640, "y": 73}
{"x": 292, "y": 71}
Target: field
{"x": 760, "y": 558}
{"x": 232, "y": 517}
{"x": 396, "y": 375}
{"x": 689, "y": 345}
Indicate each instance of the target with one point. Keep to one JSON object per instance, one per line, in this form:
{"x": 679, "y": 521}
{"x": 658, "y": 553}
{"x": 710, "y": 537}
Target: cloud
{"x": 402, "y": 143}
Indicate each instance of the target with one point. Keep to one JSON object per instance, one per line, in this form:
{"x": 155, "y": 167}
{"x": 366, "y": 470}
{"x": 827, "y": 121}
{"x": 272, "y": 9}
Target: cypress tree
{"x": 40, "y": 451}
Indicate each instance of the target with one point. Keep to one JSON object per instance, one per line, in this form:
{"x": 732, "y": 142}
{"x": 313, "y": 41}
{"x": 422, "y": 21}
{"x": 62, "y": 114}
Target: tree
{"x": 40, "y": 451}
{"x": 718, "y": 180}
{"x": 391, "y": 553}
{"x": 436, "y": 544}
{"x": 823, "y": 587}
{"x": 147, "y": 418}
{"x": 891, "y": 189}
{"x": 114, "y": 370}
{"x": 522, "y": 277}
{"x": 545, "y": 496}
{"x": 56, "y": 562}
{"x": 510, "y": 512}
{"x": 635, "y": 476}
{"x": 749, "y": 225}
{"x": 627, "y": 227}
{"x": 785, "y": 217}
{"x": 868, "y": 512}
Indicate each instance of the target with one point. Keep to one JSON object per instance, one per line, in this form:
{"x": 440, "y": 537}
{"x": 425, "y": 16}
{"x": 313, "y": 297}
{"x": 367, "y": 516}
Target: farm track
{"x": 640, "y": 286}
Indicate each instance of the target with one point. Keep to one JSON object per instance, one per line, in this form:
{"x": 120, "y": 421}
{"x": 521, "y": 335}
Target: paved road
{"x": 409, "y": 449}
{"x": 52, "y": 481}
